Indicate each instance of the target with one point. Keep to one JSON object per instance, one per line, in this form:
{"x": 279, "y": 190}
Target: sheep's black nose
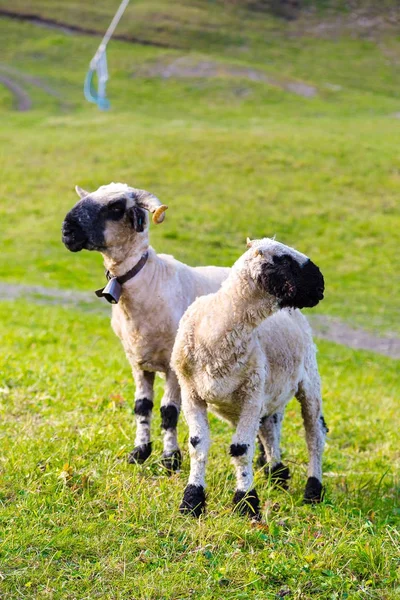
{"x": 73, "y": 236}
{"x": 311, "y": 286}
{"x": 295, "y": 285}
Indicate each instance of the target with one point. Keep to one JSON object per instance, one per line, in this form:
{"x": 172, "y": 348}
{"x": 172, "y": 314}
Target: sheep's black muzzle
{"x": 295, "y": 285}
{"x": 83, "y": 227}
{"x": 73, "y": 237}
{"x": 311, "y": 286}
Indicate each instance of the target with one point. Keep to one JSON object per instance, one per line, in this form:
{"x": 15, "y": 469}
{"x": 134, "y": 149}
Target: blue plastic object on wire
{"x": 98, "y": 97}
{"x": 98, "y": 65}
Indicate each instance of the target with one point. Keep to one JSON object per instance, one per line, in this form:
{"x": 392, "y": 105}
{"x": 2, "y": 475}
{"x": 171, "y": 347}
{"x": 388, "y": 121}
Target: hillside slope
{"x": 258, "y": 133}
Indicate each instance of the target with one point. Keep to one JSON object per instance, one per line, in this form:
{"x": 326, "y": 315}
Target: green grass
{"x": 78, "y": 522}
{"x": 232, "y": 158}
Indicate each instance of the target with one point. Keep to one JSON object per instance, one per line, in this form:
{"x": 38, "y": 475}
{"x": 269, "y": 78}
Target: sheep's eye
{"x": 116, "y": 207}
{"x": 116, "y": 210}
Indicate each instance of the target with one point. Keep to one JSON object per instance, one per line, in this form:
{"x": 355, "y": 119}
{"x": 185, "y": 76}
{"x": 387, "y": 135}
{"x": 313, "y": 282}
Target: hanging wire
{"x": 98, "y": 65}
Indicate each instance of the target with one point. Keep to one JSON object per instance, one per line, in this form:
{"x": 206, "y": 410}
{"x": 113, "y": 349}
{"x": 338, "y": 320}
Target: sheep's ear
{"x": 81, "y": 192}
{"x": 248, "y": 242}
{"x": 137, "y": 217}
{"x": 151, "y": 203}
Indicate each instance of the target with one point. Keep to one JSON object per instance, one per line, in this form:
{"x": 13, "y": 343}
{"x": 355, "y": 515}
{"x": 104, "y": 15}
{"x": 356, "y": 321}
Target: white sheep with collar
{"x": 114, "y": 220}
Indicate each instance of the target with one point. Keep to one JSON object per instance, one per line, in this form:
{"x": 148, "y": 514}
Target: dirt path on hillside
{"x": 324, "y": 327}
{"x": 35, "y": 81}
{"x": 182, "y": 67}
{"x": 335, "y": 330}
{"x": 43, "y": 295}
{"x": 22, "y": 99}
{"x": 65, "y": 28}
{"x": 188, "y": 66}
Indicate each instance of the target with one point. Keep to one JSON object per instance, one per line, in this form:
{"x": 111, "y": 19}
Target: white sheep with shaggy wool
{"x": 243, "y": 352}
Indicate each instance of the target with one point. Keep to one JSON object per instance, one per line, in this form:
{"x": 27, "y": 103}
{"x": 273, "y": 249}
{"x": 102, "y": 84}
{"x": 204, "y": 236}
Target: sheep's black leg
{"x": 170, "y": 409}
{"x": 144, "y": 381}
{"x": 247, "y": 503}
{"x": 245, "y": 500}
{"x": 262, "y": 457}
{"x": 270, "y": 435}
{"x": 194, "y": 498}
{"x": 315, "y": 428}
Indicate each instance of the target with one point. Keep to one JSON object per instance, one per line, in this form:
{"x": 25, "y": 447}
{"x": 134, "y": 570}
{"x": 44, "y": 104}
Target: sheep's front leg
{"x": 270, "y": 435}
{"x": 170, "y": 408}
{"x": 195, "y": 411}
{"x": 144, "y": 394}
{"x": 242, "y": 451}
{"x": 309, "y": 396}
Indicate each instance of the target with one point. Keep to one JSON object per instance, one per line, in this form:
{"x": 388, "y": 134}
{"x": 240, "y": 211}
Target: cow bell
{"x": 112, "y": 291}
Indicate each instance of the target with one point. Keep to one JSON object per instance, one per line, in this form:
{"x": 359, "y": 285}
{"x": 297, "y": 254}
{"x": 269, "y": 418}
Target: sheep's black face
{"x": 85, "y": 226}
{"x": 295, "y": 285}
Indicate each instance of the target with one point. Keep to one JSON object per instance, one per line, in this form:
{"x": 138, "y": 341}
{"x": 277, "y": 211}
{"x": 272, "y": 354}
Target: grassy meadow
{"x": 78, "y": 522}
{"x": 232, "y": 155}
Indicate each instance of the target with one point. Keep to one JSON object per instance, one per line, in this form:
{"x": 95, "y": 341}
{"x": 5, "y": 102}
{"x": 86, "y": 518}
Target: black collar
{"x": 112, "y": 291}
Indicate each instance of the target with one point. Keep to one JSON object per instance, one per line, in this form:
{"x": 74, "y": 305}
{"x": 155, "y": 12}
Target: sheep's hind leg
{"x": 170, "y": 409}
{"x": 144, "y": 394}
{"x": 270, "y": 435}
{"x": 246, "y": 499}
{"x": 194, "y": 498}
{"x": 261, "y": 460}
{"x": 309, "y": 396}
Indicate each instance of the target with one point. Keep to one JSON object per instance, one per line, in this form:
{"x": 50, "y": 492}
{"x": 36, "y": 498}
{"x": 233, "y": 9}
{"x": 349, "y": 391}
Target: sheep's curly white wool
{"x": 239, "y": 354}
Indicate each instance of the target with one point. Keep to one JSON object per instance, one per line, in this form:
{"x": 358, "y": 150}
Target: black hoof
{"x": 247, "y": 503}
{"x": 172, "y": 461}
{"x": 139, "y": 454}
{"x": 194, "y": 500}
{"x": 314, "y": 491}
{"x": 279, "y": 475}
